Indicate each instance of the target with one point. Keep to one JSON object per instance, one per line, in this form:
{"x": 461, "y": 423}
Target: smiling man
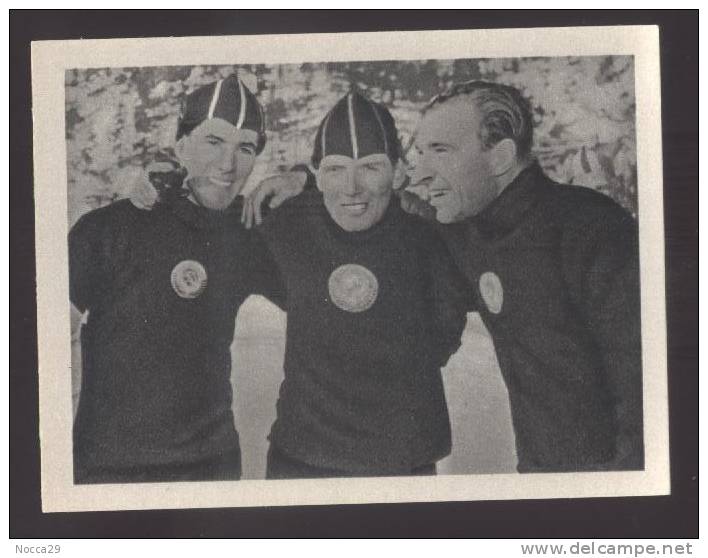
{"x": 555, "y": 273}
{"x": 375, "y": 309}
{"x": 161, "y": 291}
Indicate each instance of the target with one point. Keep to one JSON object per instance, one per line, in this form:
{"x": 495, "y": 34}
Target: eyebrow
{"x": 432, "y": 144}
{"x": 240, "y": 144}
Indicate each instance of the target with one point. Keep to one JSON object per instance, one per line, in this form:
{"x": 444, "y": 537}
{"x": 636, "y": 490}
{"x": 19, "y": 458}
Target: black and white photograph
{"x": 354, "y": 268}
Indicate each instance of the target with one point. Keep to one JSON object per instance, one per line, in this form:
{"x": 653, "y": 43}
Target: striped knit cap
{"x": 228, "y": 99}
{"x": 356, "y": 127}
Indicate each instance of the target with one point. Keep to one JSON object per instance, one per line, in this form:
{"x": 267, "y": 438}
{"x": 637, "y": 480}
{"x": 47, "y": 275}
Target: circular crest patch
{"x": 353, "y": 288}
{"x": 492, "y": 292}
{"x": 189, "y": 279}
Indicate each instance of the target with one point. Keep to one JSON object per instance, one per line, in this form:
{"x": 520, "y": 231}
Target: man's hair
{"x": 504, "y": 111}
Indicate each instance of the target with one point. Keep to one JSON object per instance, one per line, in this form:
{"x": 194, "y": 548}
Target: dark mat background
{"x": 674, "y": 516}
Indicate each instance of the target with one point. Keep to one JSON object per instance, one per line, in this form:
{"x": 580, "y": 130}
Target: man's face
{"x": 453, "y": 164}
{"x": 219, "y": 159}
{"x": 356, "y": 191}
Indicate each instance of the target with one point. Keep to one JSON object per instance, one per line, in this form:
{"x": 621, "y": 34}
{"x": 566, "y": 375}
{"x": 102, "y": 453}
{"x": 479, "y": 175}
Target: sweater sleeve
{"x": 267, "y": 279}
{"x": 450, "y": 300}
{"x": 87, "y": 266}
{"x": 601, "y": 264}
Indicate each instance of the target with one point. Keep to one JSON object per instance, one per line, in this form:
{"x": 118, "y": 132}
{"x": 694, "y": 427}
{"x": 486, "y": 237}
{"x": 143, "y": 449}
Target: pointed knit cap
{"x": 228, "y": 99}
{"x": 356, "y": 127}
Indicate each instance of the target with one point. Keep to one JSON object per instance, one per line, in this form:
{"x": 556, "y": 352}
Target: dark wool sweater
{"x": 556, "y": 275}
{"x": 156, "y": 362}
{"x": 372, "y": 317}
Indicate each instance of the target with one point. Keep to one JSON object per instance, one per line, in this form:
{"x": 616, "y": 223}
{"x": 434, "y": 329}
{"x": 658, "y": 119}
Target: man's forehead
{"x": 226, "y": 131}
{"x": 453, "y": 119}
{"x": 344, "y": 159}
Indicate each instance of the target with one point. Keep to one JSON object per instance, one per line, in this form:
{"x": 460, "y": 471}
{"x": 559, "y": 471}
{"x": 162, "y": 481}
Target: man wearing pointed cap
{"x": 375, "y": 309}
{"x": 161, "y": 292}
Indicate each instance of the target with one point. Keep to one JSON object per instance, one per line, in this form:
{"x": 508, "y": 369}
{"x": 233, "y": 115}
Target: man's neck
{"x": 191, "y": 198}
{"x": 508, "y": 177}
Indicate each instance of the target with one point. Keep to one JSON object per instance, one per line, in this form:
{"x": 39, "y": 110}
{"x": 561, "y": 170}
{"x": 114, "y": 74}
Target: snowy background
{"x": 584, "y": 110}
{"x": 117, "y": 118}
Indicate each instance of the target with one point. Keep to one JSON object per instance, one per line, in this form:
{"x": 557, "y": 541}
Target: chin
{"x": 353, "y": 224}
{"x": 447, "y": 217}
{"x": 217, "y": 199}
{"x": 216, "y": 203}
{"x": 214, "y": 197}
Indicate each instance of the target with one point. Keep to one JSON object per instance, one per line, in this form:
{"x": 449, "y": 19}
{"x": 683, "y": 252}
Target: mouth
{"x": 355, "y": 208}
{"x": 438, "y": 193}
{"x": 223, "y": 182}
{"x": 440, "y": 197}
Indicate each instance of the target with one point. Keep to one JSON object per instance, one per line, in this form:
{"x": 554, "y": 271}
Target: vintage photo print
{"x": 350, "y": 268}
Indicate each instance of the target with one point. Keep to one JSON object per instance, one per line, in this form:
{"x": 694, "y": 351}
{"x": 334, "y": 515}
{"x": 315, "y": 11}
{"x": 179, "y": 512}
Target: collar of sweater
{"x": 508, "y": 209}
{"x": 202, "y": 218}
{"x": 390, "y": 217}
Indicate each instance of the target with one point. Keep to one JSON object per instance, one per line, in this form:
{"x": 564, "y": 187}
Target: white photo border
{"x": 50, "y": 60}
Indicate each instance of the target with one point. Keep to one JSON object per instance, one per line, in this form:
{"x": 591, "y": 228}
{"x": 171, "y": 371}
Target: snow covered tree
{"x": 118, "y": 118}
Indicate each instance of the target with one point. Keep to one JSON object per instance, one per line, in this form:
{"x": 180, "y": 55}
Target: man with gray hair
{"x": 555, "y": 272}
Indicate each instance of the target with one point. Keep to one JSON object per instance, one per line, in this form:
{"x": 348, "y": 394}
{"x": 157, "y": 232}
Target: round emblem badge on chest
{"x": 490, "y": 287}
{"x": 189, "y": 279}
{"x": 353, "y": 288}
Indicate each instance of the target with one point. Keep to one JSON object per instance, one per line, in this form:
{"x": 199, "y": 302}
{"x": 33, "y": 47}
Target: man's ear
{"x": 317, "y": 179}
{"x": 400, "y": 175}
{"x": 502, "y": 157}
{"x": 180, "y": 150}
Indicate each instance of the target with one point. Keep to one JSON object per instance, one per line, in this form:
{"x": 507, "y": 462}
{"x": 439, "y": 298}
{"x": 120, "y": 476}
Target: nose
{"x": 352, "y": 185}
{"x": 228, "y": 160}
{"x": 422, "y": 174}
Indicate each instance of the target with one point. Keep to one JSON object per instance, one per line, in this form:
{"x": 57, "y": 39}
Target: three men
{"x": 162, "y": 291}
{"x": 553, "y": 270}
